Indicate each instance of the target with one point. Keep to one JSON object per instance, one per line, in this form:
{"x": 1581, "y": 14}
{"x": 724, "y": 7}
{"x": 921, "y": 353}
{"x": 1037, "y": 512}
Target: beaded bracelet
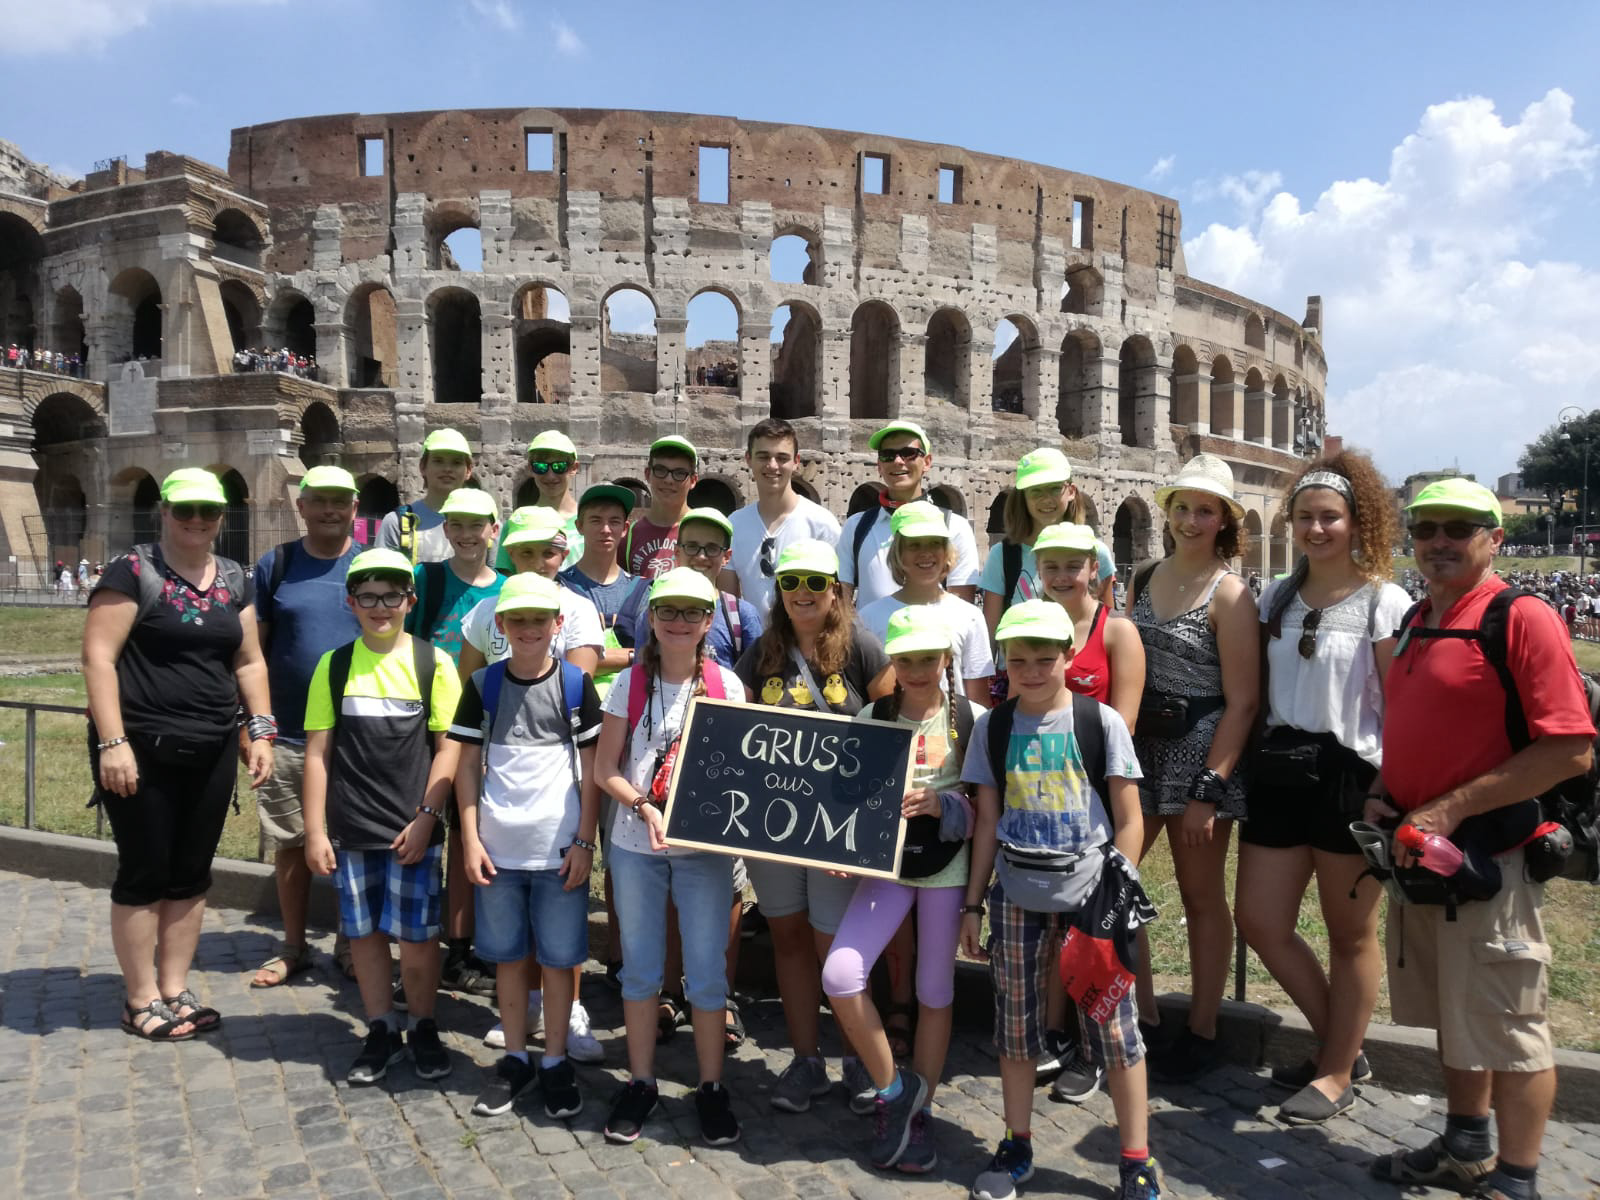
{"x": 263, "y": 727}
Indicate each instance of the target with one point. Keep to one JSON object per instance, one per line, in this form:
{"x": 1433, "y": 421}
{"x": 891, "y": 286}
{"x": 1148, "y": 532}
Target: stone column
{"x": 1283, "y": 422}
{"x": 107, "y": 336}
{"x": 909, "y": 401}
{"x": 1046, "y": 422}
{"x": 413, "y": 371}
{"x": 755, "y": 373}
{"x": 670, "y": 353}
{"x": 833, "y": 370}
{"x": 1258, "y": 417}
{"x": 1100, "y": 400}
{"x": 583, "y": 401}
{"x": 1226, "y": 401}
{"x": 1195, "y": 386}
{"x": 1154, "y": 405}
{"x": 333, "y": 352}
{"x": 495, "y": 336}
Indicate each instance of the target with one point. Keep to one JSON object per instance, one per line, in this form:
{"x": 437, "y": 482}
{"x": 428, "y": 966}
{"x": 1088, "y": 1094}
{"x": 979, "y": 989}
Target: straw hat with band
{"x": 683, "y": 583}
{"x": 611, "y": 493}
{"x": 330, "y": 479}
{"x": 1458, "y": 493}
{"x": 470, "y": 502}
{"x": 379, "y": 563}
{"x": 919, "y": 519}
{"x": 916, "y": 628}
{"x": 708, "y": 516}
{"x": 808, "y": 556}
{"x": 534, "y": 524}
{"x": 1042, "y": 466}
{"x": 1204, "y": 473}
{"x": 553, "y": 441}
{"x": 446, "y": 441}
{"x": 192, "y": 485}
{"x": 1079, "y": 539}
{"x": 673, "y": 444}
{"x": 911, "y": 427}
{"x": 528, "y": 593}
{"x": 1035, "y": 621}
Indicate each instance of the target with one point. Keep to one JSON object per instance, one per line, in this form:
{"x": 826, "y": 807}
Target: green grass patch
{"x": 32, "y": 633}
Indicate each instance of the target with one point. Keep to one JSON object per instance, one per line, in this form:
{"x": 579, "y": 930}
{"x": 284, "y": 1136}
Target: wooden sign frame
{"x": 795, "y": 860}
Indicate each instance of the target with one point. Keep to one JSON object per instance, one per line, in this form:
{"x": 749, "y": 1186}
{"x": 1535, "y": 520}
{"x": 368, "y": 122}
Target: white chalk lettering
{"x": 847, "y": 750}
{"x": 794, "y": 819}
{"x": 831, "y": 831}
{"x": 787, "y": 783}
{"x": 740, "y": 802}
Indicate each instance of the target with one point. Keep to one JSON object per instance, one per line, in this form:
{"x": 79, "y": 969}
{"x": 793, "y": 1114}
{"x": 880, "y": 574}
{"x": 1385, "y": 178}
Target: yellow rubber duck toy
{"x": 772, "y": 691}
{"x": 833, "y": 691}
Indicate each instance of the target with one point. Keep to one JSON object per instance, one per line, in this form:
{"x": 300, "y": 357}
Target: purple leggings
{"x": 875, "y": 912}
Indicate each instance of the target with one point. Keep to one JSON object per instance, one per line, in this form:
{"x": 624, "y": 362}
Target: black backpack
{"x": 229, "y": 573}
{"x": 422, "y": 663}
{"x": 1573, "y": 803}
{"x": 1086, "y": 727}
{"x": 926, "y": 854}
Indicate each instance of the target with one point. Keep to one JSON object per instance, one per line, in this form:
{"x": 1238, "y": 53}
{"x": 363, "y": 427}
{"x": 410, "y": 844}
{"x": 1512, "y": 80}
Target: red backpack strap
{"x": 636, "y": 696}
{"x": 713, "y": 682}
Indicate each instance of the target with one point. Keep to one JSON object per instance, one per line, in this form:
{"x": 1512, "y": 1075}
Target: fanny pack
{"x": 171, "y": 750}
{"x": 1478, "y": 878}
{"x": 1290, "y": 758}
{"x": 1048, "y": 880}
{"x": 1166, "y": 716}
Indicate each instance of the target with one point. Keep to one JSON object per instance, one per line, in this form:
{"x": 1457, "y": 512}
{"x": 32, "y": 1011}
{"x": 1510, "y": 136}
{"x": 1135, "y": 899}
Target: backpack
{"x": 864, "y": 526}
{"x": 730, "y": 609}
{"x": 406, "y": 525}
{"x": 925, "y": 853}
{"x": 637, "y": 698}
{"x": 1011, "y": 569}
{"x": 282, "y": 555}
{"x": 229, "y": 573}
{"x": 1086, "y": 728}
{"x": 494, "y": 678}
{"x": 1574, "y": 803}
{"x": 433, "y": 582}
{"x": 1141, "y": 580}
{"x": 422, "y": 662}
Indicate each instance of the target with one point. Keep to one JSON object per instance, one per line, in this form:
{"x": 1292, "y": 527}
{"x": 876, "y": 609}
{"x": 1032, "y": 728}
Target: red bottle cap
{"x": 1410, "y": 837}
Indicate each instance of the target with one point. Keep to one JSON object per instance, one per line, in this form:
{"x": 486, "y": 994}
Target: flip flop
{"x": 283, "y": 966}
{"x": 203, "y": 1018}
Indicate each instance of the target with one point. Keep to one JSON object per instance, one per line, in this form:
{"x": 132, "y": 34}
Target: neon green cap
{"x": 192, "y": 485}
{"x": 333, "y": 479}
{"x": 910, "y": 427}
{"x": 379, "y": 562}
{"x": 533, "y": 524}
{"x": 1035, "y": 621}
{"x": 470, "y": 502}
{"x": 1044, "y": 465}
{"x": 1460, "y": 493}
{"x": 916, "y": 627}
{"x": 1065, "y": 536}
{"x": 446, "y": 441}
{"x": 674, "y": 444}
{"x": 808, "y": 556}
{"x": 919, "y": 519}
{"x": 553, "y": 441}
{"x": 527, "y": 591}
{"x": 711, "y": 516}
{"x": 683, "y": 583}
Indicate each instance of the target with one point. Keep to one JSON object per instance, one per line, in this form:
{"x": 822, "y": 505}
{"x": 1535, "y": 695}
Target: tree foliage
{"x": 1553, "y": 462}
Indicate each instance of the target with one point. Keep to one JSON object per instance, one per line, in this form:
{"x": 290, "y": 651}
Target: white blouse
{"x": 1337, "y": 690}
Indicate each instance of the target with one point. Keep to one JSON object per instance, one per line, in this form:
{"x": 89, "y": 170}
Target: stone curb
{"x": 1250, "y": 1035}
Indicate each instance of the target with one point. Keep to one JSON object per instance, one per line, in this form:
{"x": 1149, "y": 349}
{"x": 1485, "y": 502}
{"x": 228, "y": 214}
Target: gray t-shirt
{"x": 432, "y": 545}
{"x": 1047, "y": 801}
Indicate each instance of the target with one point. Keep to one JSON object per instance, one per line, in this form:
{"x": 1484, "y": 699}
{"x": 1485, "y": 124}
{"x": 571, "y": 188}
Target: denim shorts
{"x": 519, "y": 907}
{"x": 701, "y": 886}
{"x": 378, "y": 895}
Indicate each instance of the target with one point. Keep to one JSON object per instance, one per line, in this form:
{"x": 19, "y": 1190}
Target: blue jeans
{"x": 701, "y": 886}
{"x": 517, "y": 906}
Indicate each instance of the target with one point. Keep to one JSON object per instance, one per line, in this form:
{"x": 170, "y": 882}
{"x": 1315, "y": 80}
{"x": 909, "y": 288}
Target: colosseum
{"x": 858, "y": 278}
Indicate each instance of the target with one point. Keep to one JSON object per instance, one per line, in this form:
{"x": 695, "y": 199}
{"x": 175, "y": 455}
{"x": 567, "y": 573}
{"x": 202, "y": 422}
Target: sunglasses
{"x": 814, "y": 583}
{"x": 670, "y": 612}
{"x": 676, "y": 474}
{"x": 702, "y": 549}
{"x": 551, "y": 468}
{"x": 903, "y": 453}
{"x": 1308, "y": 633}
{"x": 387, "y": 599}
{"x": 1456, "y": 531}
{"x": 768, "y": 545}
{"x": 206, "y": 512}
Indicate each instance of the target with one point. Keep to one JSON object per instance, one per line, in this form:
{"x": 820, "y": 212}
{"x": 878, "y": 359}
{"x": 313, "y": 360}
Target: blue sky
{"x": 1429, "y": 168}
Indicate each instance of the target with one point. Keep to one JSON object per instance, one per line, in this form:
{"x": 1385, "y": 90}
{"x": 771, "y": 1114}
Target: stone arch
{"x": 377, "y": 498}
{"x": 629, "y": 348}
{"x": 135, "y": 503}
{"x": 320, "y": 439}
{"x": 874, "y": 361}
{"x": 949, "y": 498}
{"x": 21, "y": 253}
{"x": 1185, "y": 386}
{"x": 1016, "y": 369}
{"x": 1131, "y": 532}
{"x": 369, "y": 314}
{"x": 242, "y": 311}
{"x": 804, "y": 488}
{"x": 1224, "y": 409}
{"x": 1091, "y": 512}
{"x": 1278, "y": 546}
{"x": 716, "y": 491}
{"x": 64, "y": 417}
{"x": 455, "y": 346}
{"x": 947, "y": 358}
{"x": 795, "y": 256}
{"x": 234, "y": 540}
{"x": 1255, "y": 332}
{"x": 862, "y": 498}
{"x": 236, "y": 238}
{"x": 1136, "y": 388}
{"x": 1281, "y": 421}
{"x": 639, "y": 488}
{"x": 291, "y": 323}
{"x": 996, "y": 525}
{"x": 1252, "y": 526}
{"x": 542, "y": 335}
{"x": 710, "y": 361}
{"x": 1077, "y": 409}
{"x": 67, "y": 333}
{"x": 1255, "y": 416}
{"x": 1083, "y": 291}
{"x": 135, "y": 298}
{"x": 441, "y": 226}
{"x": 796, "y": 347}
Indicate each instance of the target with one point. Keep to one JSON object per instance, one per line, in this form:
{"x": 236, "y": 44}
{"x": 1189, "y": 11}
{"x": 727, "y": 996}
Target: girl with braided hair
{"x": 933, "y": 879}
{"x": 645, "y": 712}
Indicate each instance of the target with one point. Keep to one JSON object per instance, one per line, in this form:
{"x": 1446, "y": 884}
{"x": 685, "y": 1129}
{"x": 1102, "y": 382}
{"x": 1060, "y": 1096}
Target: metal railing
{"x": 30, "y": 745}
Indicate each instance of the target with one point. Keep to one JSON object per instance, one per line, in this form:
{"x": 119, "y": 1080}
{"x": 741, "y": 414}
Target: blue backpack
{"x": 494, "y": 678}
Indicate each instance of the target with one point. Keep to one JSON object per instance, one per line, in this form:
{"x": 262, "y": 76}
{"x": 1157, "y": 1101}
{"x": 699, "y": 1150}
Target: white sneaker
{"x": 582, "y": 1046}
{"x": 496, "y": 1037}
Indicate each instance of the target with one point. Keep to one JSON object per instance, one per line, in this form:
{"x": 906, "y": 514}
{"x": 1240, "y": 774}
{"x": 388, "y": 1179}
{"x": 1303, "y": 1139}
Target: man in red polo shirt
{"x": 1449, "y": 768}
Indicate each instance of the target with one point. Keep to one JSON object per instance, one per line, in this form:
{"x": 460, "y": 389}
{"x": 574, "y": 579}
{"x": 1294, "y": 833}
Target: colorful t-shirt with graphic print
{"x": 1047, "y": 800}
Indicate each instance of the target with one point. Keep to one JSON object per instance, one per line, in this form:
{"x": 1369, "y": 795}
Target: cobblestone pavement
{"x": 262, "y": 1109}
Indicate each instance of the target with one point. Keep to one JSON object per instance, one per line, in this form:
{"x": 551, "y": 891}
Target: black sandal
{"x": 735, "y": 1031}
{"x": 672, "y": 1012}
{"x": 203, "y": 1018}
{"x": 899, "y": 1029}
{"x": 153, "y": 1033}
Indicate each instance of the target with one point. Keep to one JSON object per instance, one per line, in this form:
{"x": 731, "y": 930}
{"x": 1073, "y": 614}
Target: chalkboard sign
{"x": 792, "y": 786}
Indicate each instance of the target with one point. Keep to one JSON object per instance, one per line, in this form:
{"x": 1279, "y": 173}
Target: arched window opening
{"x": 1224, "y": 409}
{"x": 628, "y": 342}
{"x": 1136, "y": 369}
{"x": 794, "y": 258}
{"x": 1016, "y": 367}
{"x": 1255, "y": 407}
{"x": 864, "y": 497}
{"x": 455, "y": 340}
{"x": 146, "y": 523}
{"x": 1079, "y": 396}
{"x": 21, "y": 251}
{"x": 453, "y": 239}
{"x": 948, "y": 498}
{"x": 462, "y": 250}
{"x": 320, "y": 441}
{"x": 714, "y": 493}
{"x": 1278, "y": 547}
{"x": 135, "y": 297}
{"x": 712, "y": 343}
{"x": 995, "y": 527}
{"x": 796, "y": 342}
{"x": 1185, "y": 386}
{"x": 243, "y": 314}
{"x": 67, "y": 333}
{"x": 800, "y": 486}
{"x": 1255, "y": 333}
{"x": 236, "y": 238}
{"x": 64, "y": 418}
{"x": 874, "y": 360}
{"x": 370, "y": 316}
{"x": 1130, "y": 533}
{"x": 1252, "y": 526}
{"x": 639, "y": 488}
{"x": 1083, "y": 292}
{"x": 1282, "y": 421}
{"x": 234, "y": 540}
{"x": 377, "y": 499}
{"x": 947, "y": 358}
{"x": 543, "y": 331}
{"x": 291, "y": 325}
{"x": 528, "y": 493}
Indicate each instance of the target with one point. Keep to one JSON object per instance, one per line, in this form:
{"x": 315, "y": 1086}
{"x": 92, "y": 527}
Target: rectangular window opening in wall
{"x": 1166, "y": 238}
{"x": 541, "y": 149}
{"x": 875, "y": 174}
{"x": 1082, "y": 223}
{"x": 371, "y": 155}
{"x": 713, "y": 174}
{"x": 949, "y": 185}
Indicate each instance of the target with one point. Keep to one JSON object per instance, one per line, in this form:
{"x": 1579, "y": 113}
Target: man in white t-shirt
{"x": 779, "y": 516}
{"x": 904, "y": 456}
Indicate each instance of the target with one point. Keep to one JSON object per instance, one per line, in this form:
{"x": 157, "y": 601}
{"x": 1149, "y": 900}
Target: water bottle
{"x": 1438, "y": 854}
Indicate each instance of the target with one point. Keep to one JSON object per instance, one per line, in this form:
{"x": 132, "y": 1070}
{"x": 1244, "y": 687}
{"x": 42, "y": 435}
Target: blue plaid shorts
{"x": 378, "y": 895}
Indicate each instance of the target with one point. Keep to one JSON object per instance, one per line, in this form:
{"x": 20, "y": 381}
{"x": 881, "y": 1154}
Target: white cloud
{"x": 1162, "y": 167}
{"x": 500, "y": 13}
{"x": 70, "y": 26}
{"x": 1449, "y": 336}
{"x": 631, "y": 312}
{"x": 568, "y": 43}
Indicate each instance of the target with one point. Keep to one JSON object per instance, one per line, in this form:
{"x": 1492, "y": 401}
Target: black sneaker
{"x": 1057, "y": 1051}
{"x": 510, "y": 1079}
{"x": 714, "y": 1106}
{"x": 383, "y": 1048}
{"x": 1189, "y": 1057}
{"x": 1079, "y": 1079}
{"x": 428, "y": 1057}
{"x": 1301, "y": 1074}
{"x": 629, "y": 1112}
{"x": 560, "y": 1087}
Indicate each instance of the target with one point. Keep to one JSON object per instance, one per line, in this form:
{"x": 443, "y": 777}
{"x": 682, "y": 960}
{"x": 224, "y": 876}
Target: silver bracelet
{"x": 110, "y": 742}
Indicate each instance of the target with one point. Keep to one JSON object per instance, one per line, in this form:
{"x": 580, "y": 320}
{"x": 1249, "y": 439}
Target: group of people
{"x": 26, "y": 358}
{"x": 458, "y": 723}
{"x": 69, "y": 583}
{"x": 723, "y": 373}
{"x": 284, "y": 360}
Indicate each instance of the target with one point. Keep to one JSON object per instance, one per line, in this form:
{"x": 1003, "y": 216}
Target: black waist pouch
{"x": 1287, "y": 762}
{"x": 1166, "y": 716}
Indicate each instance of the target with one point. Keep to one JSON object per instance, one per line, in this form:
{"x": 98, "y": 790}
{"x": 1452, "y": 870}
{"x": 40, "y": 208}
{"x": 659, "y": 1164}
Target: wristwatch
{"x": 1207, "y": 787}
